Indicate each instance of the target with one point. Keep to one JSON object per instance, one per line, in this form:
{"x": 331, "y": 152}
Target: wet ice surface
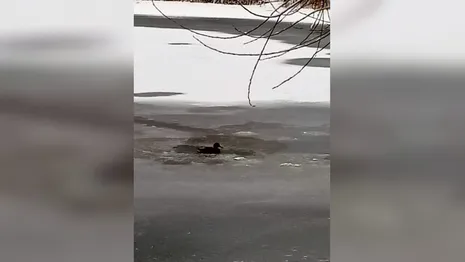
{"x": 228, "y": 213}
{"x": 241, "y": 205}
{"x": 173, "y": 133}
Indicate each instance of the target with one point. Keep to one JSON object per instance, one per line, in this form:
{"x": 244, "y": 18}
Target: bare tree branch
{"x": 301, "y": 69}
{"x": 257, "y": 62}
{"x": 206, "y": 35}
{"x": 312, "y": 29}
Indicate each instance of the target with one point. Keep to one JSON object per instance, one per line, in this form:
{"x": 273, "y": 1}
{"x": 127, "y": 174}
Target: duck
{"x": 210, "y": 150}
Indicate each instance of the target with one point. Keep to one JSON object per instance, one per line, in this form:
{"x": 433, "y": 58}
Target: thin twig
{"x": 286, "y": 28}
{"x": 206, "y": 35}
{"x": 256, "y": 65}
{"x": 301, "y": 69}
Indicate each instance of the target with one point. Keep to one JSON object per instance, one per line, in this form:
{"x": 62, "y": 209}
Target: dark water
{"x": 290, "y": 34}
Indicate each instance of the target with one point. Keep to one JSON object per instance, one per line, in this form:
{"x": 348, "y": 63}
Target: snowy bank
{"x": 173, "y": 66}
{"x": 208, "y": 10}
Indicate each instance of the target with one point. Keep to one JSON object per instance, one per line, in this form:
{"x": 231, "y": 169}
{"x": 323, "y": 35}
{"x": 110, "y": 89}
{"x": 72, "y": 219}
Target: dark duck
{"x": 210, "y": 150}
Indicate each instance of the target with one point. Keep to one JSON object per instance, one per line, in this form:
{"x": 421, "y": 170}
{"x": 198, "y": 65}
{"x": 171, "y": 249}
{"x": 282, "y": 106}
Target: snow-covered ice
{"x": 209, "y": 78}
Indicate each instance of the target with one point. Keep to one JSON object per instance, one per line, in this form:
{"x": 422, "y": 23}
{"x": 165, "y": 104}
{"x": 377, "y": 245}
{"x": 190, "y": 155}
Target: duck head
{"x": 217, "y": 145}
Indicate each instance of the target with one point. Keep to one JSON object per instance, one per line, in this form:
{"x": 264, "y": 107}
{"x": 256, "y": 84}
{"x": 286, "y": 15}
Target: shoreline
{"x": 209, "y": 10}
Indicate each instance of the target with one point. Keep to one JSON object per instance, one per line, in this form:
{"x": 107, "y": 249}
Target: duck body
{"x": 210, "y": 150}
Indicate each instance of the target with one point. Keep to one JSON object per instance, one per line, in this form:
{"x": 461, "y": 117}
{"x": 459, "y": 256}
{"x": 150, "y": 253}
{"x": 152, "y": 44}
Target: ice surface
{"x": 207, "y": 77}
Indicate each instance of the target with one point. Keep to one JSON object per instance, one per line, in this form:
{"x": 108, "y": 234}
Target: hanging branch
{"x": 258, "y": 61}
